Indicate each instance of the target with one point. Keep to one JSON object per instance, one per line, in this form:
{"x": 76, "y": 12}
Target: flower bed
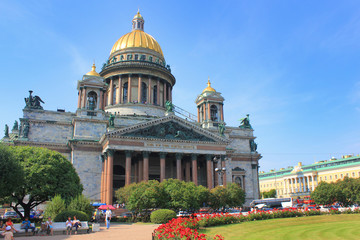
{"x": 186, "y": 228}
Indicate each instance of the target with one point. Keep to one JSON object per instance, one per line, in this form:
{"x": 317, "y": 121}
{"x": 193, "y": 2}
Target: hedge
{"x": 63, "y": 216}
{"x": 162, "y": 216}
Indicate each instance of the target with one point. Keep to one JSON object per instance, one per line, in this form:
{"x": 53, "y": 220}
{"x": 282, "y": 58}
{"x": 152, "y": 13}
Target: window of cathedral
{"x": 143, "y": 92}
{"x": 129, "y": 57}
{"x": 213, "y": 113}
{"x": 121, "y": 57}
{"x": 136, "y": 57}
{"x": 155, "y": 95}
{"x": 125, "y": 92}
{"x": 138, "y": 24}
{"x": 150, "y": 58}
{"x": 142, "y": 58}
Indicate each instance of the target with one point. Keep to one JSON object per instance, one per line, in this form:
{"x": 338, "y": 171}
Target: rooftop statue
{"x": 245, "y": 122}
{"x": 33, "y": 102}
{"x": 6, "y": 130}
{"x": 253, "y": 145}
{"x": 16, "y": 126}
{"x": 221, "y": 129}
{"x": 169, "y": 106}
{"x": 111, "y": 120}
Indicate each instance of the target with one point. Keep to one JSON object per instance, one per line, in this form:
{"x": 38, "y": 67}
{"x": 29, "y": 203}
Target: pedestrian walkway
{"x": 136, "y": 231}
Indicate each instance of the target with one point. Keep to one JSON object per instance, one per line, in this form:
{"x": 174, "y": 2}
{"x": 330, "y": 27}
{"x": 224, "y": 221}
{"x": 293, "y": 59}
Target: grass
{"x": 328, "y": 227}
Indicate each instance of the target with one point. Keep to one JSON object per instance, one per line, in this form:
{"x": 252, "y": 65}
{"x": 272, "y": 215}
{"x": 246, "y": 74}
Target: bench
{"x": 61, "y": 227}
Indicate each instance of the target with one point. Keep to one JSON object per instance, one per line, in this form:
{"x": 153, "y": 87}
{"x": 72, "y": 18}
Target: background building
{"x": 126, "y": 129}
{"x": 299, "y": 181}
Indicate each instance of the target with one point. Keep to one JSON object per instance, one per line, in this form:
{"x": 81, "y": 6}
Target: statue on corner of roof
{"x": 111, "y": 120}
{"x": 169, "y": 106}
{"x": 245, "y": 122}
{"x": 6, "y": 130}
{"x": 33, "y": 102}
{"x": 221, "y": 129}
{"x": 16, "y": 126}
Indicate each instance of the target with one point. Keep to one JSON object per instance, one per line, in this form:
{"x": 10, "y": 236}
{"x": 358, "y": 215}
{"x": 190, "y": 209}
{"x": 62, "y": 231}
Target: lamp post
{"x": 219, "y": 170}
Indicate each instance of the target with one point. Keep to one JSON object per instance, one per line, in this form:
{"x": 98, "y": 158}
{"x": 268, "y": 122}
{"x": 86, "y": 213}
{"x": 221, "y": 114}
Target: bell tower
{"x": 210, "y": 107}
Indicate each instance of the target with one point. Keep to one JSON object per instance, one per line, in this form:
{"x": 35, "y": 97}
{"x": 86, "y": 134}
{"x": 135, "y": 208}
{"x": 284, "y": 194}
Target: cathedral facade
{"x": 126, "y": 129}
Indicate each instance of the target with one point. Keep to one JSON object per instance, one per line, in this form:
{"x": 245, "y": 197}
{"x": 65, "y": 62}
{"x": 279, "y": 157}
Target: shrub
{"x": 81, "y": 203}
{"x": 63, "y": 216}
{"x": 54, "y": 207}
{"x": 162, "y": 216}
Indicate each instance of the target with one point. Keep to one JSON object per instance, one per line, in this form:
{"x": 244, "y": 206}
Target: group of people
{"x": 8, "y": 228}
{"x": 70, "y": 224}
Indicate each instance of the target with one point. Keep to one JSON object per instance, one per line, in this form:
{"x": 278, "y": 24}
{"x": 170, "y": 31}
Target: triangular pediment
{"x": 169, "y": 128}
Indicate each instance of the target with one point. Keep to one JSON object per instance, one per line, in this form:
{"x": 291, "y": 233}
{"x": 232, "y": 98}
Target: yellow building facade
{"x": 301, "y": 180}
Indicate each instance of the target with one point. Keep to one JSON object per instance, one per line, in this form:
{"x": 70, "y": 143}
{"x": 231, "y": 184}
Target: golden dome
{"x": 209, "y": 88}
{"x": 93, "y": 72}
{"x": 137, "y": 38}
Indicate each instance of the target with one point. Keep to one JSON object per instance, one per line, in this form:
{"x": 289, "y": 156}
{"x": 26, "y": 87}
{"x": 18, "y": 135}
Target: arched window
{"x": 238, "y": 181}
{"x": 143, "y": 92}
{"x": 125, "y": 92}
{"x": 138, "y": 24}
{"x": 155, "y": 95}
{"x": 213, "y": 113}
{"x": 91, "y": 100}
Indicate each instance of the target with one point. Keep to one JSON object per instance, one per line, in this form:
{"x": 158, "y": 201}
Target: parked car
{"x": 183, "y": 214}
{"x": 11, "y": 214}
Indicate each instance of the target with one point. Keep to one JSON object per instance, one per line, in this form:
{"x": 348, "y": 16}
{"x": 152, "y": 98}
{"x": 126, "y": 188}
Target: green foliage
{"x": 10, "y": 172}
{"x": 146, "y": 195}
{"x": 81, "y": 203}
{"x": 45, "y": 174}
{"x": 269, "y": 194}
{"x": 54, "y": 207}
{"x": 184, "y": 195}
{"x": 63, "y": 216}
{"x": 162, "y": 216}
{"x": 231, "y": 196}
{"x": 122, "y": 194}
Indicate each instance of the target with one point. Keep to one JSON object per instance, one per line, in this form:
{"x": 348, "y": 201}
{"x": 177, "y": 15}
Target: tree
{"x": 81, "y": 203}
{"x": 56, "y": 206}
{"x": 145, "y": 196}
{"x": 45, "y": 174}
{"x": 269, "y": 194}
{"x": 184, "y": 195}
{"x": 347, "y": 191}
{"x": 231, "y": 196}
{"x": 10, "y": 172}
{"x": 325, "y": 193}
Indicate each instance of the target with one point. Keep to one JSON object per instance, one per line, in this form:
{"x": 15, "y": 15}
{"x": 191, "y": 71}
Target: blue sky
{"x": 292, "y": 65}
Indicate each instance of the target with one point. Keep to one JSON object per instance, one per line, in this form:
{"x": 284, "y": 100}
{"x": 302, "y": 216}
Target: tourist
{"x": 68, "y": 225}
{"x": 49, "y": 225}
{"x": 76, "y": 224}
{"x": 8, "y": 234}
{"x": 9, "y": 223}
{"x": 26, "y": 224}
{"x": 108, "y": 217}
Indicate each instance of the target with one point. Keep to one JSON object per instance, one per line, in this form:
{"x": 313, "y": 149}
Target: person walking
{"x": 108, "y": 217}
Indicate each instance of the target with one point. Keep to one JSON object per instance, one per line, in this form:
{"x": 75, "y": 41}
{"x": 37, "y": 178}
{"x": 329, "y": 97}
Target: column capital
{"x": 128, "y": 153}
{"x": 110, "y": 152}
{"x": 194, "y": 156}
{"x": 208, "y": 157}
{"x": 102, "y": 158}
{"x": 105, "y": 155}
{"x": 162, "y": 154}
{"x": 179, "y": 156}
{"x": 146, "y": 154}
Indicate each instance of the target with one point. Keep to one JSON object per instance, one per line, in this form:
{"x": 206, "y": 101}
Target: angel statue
{"x": 245, "y": 122}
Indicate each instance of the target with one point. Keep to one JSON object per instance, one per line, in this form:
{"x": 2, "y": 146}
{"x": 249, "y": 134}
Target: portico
{"x": 188, "y": 156}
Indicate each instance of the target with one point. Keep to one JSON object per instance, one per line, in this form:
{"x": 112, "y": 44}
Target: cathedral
{"x": 126, "y": 128}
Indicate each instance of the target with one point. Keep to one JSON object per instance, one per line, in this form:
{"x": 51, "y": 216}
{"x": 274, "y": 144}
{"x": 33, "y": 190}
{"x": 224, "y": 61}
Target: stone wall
{"x": 88, "y": 165}
{"x": 50, "y": 132}
{"x": 91, "y": 130}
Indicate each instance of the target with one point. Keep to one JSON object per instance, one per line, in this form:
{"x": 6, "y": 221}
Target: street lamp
{"x": 219, "y": 170}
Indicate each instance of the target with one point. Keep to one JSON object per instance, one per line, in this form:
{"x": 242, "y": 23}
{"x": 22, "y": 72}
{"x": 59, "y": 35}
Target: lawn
{"x": 328, "y": 227}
